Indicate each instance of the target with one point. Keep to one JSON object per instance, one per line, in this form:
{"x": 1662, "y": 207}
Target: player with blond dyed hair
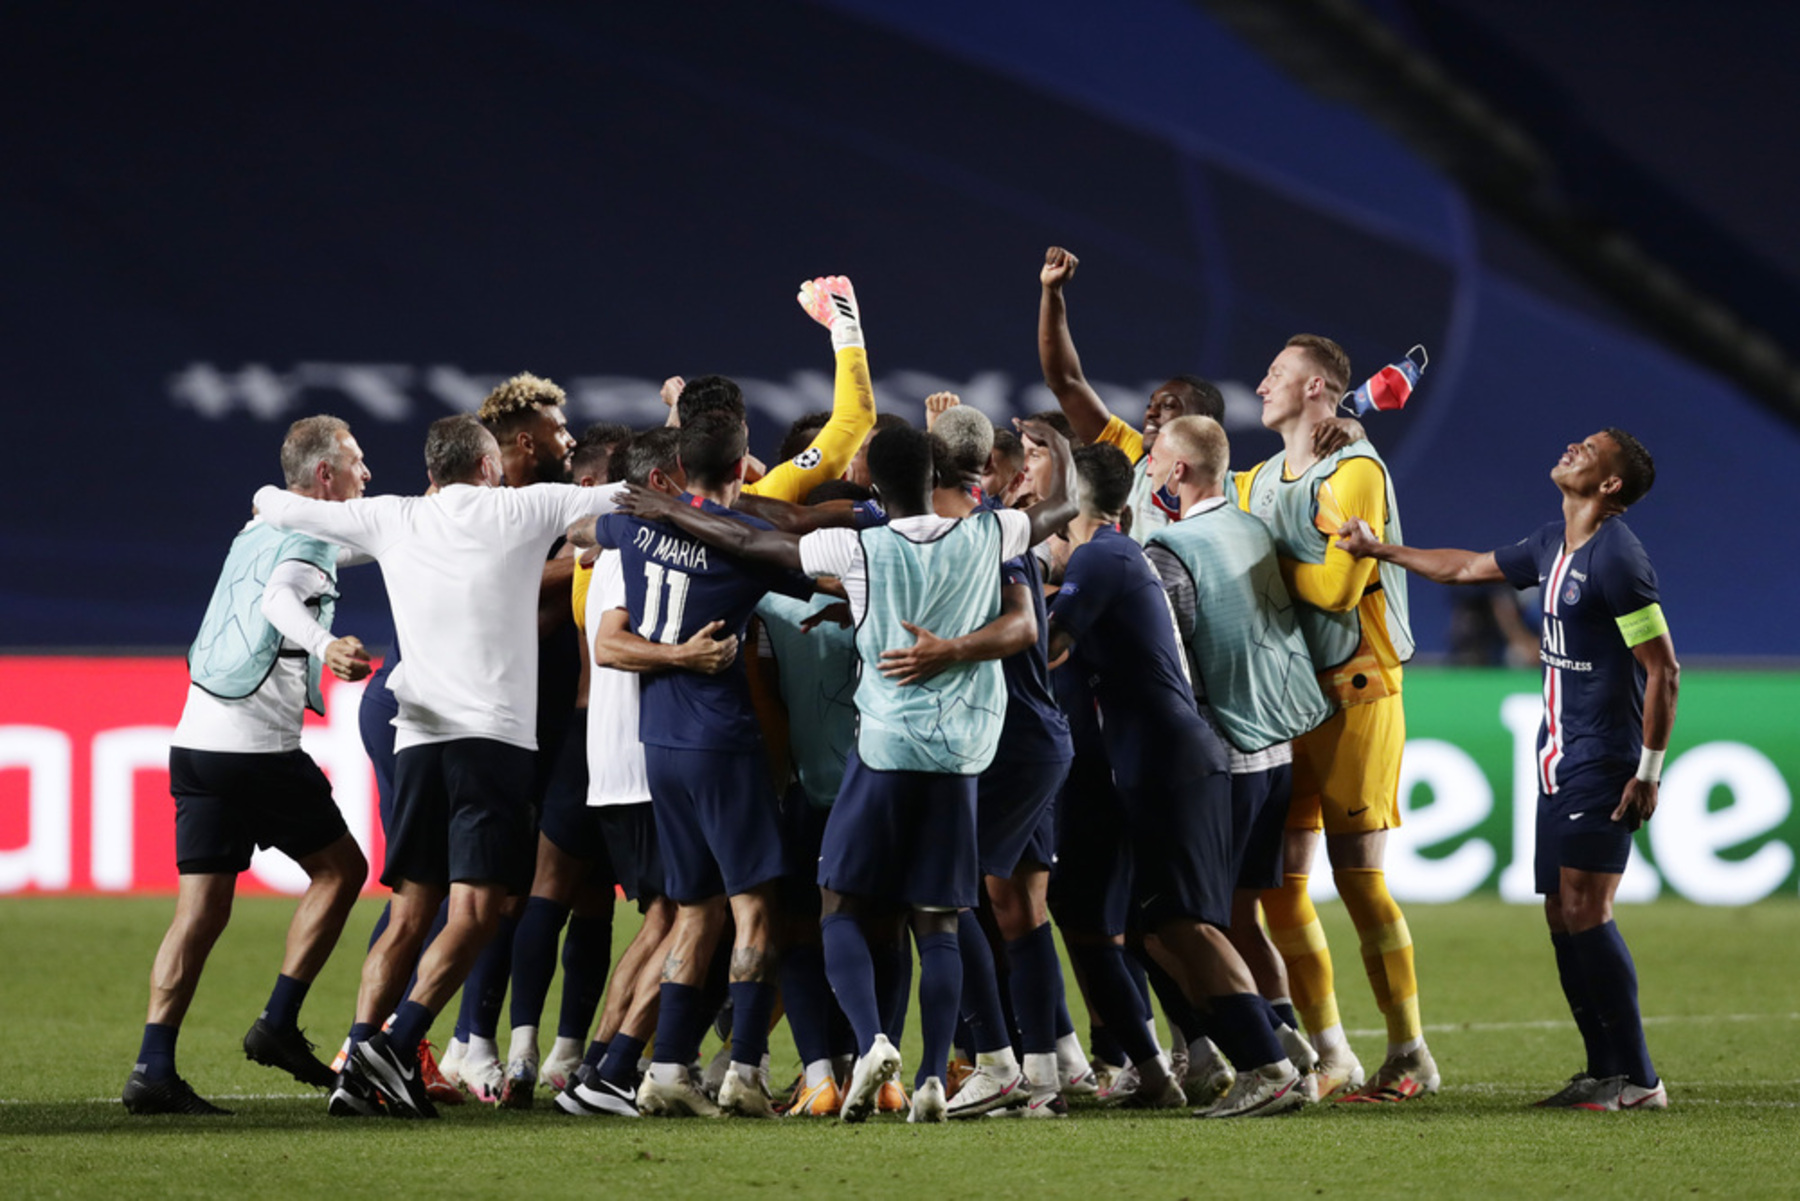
{"x": 1346, "y": 772}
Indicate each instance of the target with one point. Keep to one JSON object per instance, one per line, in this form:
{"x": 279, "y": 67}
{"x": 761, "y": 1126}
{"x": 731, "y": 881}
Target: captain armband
{"x": 1642, "y": 626}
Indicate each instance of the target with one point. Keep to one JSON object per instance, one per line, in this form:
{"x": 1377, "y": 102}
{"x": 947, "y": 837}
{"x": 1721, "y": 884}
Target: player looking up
{"x": 1610, "y": 688}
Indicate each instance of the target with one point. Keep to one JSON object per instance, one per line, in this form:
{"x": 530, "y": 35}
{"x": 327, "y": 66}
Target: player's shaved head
{"x": 1199, "y": 442}
{"x": 1105, "y": 476}
{"x": 710, "y": 394}
{"x": 900, "y": 467}
{"x": 1634, "y": 466}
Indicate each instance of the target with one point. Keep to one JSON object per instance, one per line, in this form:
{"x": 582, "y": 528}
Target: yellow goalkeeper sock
{"x": 1387, "y": 949}
{"x": 1295, "y": 930}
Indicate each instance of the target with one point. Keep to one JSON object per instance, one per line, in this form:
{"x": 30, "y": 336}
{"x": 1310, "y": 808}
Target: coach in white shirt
{"x": 462, "y": 568}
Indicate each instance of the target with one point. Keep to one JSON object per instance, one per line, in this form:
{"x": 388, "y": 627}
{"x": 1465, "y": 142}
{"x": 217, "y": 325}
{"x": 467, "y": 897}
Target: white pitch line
{"x": 1567, "y": 1024}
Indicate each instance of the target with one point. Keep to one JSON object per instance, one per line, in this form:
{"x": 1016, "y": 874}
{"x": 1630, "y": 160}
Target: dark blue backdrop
{"x": 216, "y": 220}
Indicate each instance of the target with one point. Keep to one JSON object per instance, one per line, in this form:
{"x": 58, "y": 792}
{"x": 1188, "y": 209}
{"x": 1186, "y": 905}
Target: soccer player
{"x": 1015, "y": 805}
{"x": 1610, "y": 688}
{"x": 1347, "y": 771}
{"x": 1252, "y": 678}
{"x": 1171, "y": 773}
{"x": 462, "y": 569}
{"x": 240, "y": 779}
{"x": 716, "y": 814}
{"x": 902, "y": 832}
{"x": 1088, "y": 415}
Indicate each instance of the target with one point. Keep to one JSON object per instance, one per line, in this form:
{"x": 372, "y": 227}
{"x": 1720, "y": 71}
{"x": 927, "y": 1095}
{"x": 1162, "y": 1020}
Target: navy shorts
{"x": 567, "y": 820}
{"x": 1575, "y": 828}
{"x": 1090, "y": 890}
{"x": 1180, "y": 819}
{"x": 1259, "y": 808}
{"x": 802, "y": 834}
{"x": 1015, "y": 813}
{"x": 906, "y": 837}
{"x": 228, "y": 804}
{"x": 630, "y": 834}
{"x": 463, "y": 814}
{"x": 717, "y": 820}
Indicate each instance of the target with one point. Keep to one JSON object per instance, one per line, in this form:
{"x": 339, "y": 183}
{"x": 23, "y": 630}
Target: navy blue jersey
{"x": 1035, "y": 728}
{"x": 1113, "y": 605}
{"x": 1593, "y": 684}
{"x": 674, "y": 586}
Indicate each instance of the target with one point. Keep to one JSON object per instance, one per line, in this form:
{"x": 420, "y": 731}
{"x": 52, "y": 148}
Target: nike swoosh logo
{"x": 1354, "y": 812}
{"x": 1573, "y": 816}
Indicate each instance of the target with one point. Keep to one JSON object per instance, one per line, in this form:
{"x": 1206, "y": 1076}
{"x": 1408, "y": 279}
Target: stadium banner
{"x": 85, "y": 808}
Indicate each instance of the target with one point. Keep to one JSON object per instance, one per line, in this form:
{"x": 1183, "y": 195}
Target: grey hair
{"x": 310, "y": 441}
{"x": 969, "y": 436}
{"x": 454, "y": 448}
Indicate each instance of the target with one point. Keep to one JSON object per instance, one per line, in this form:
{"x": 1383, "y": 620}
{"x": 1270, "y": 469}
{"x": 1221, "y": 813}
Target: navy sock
{"x": 1065, "y": 1024}
{"x": 1612, "y": 985}
{"x": 360, "y": 1031}
{"x": 963, "y": 1040}
{"x": 752, "y": 1007}
{"x": 534, "y": 958}
{"x": 843, "y": 1036}
{"x": 851, "y": 970}
{"x": 156, "y": 1057}
{"x": 940, "y": 991}
{"x": 680, "y": 1024}
{"x": 807, "y": 997}
{"x": 1103, "y": 1046}
{"x": 893, "y": 984}
{"x": 1581, "y": 1007}
{"x": 1036, "y": 989}
{"x": 586, "y": 960}
{"x": 412, "y": 1021}
{"x": 283, "y": 1008}
{"x": 1135, "y": 968}
{"x": 484, "y": 992}
{"x": 980, "y": 1002}
{"x": 1115, "y": 996}
{"x": 1181, "y": 1013}
{"x": 1285, "y": 1011}
{"x": 595, "y": 1053}
{"x": 1240, "y": 1025}
{"x": 621, "y": 1061}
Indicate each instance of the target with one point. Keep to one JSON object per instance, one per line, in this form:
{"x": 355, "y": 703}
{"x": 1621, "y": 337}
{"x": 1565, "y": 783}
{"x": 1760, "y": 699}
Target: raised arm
{"x": 831, "y": 301}
{"x": 733, "y": 537}
{"x": 1008, "y": 634}
{"x": 1059, "y": 507}
{"x": 1086, "y": 412}
{"x": 1444, "y": 565}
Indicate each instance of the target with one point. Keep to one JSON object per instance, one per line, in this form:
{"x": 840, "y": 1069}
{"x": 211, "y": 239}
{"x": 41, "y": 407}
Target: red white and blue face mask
{"x": 1389, "y": 388}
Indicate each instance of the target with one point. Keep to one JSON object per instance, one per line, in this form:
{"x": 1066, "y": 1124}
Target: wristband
{"x": 1650, "y": 765}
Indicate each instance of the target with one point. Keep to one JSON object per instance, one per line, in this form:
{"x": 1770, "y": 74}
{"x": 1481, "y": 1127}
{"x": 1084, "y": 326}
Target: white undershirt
{"x": 616, "y": 774}
{"x": 839, "y": 553}
{"x": 462, "y": 569}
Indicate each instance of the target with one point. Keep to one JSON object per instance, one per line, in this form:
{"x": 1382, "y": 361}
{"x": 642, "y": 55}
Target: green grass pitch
{"x": 1719, "y": 991}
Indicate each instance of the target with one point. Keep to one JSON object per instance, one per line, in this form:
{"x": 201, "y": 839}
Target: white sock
{"x": 524, "y": 1044}
{"x": 668, "y": 1073}
{"x": 817, "y": 1072}
{"x": 1329, "y": 1039}
{"x": 1405, "y": 1048}
{"x": 482, "y": 1050}
{"x": 1002, "y": 1060}
{"x": 1070, "y": 1057}
{"x": 745, "y": 1071}
{"x": 567, "y": 1049}
{"x": 1041, "y": 1070}
{"x": 1201, "y": 1050}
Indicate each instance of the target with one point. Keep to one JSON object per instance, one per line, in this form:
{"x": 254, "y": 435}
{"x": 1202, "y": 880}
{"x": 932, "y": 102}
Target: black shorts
{"x": 228, "y": 804}
{"x": 630, "y": 834}
{"x": 1575, "y": 828}
{"x": 1259, "y": 809}
{"x": 568, "y": 820}
{"x": 463, "y": 814}
{"x": 1090, "y": 888}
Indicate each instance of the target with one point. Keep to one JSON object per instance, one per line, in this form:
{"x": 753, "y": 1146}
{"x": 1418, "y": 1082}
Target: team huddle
{"x": 910, "y": 690}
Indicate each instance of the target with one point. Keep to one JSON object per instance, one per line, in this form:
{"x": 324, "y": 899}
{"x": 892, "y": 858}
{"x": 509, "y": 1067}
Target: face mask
{"x": 1390, "y": 387}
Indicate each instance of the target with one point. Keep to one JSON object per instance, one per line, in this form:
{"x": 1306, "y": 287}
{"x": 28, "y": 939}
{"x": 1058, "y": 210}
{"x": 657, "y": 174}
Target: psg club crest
{"x": 1571, "y": 592}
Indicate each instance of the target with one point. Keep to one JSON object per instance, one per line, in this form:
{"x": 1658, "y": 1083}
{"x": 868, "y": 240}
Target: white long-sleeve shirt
{"x": 462, "y": 569}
